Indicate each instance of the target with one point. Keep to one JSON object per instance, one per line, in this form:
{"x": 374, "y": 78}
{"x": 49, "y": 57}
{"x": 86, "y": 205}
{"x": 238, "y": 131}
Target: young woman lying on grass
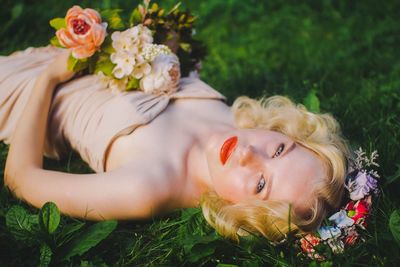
{"x": 248, "y": 166}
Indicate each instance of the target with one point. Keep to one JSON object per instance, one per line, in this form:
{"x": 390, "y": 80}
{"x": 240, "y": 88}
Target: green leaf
{"x": 58, "y": 23}
{"x": 49, "y": 217}
{"x": 154, "y": 7}
{"x": 16, "y": 11}
{"x": 113, "y": 18}
{"x": 92, "y": 264}
{"x": 45, "y": 255}
{"x": 186, "y": 47}
{"x": 104, "y": 64}
{"x": 199, "y": 247}
{"x": 160, "y": 12}
{"x": 4, "y": 197}
{"x": 75, "y": 64}
{"x": 132, "y": 84}
{"x": 135, "y": 17}
{"x": 392, "y": 178}
{"x": 89, "y": 238}
{"x": 394, "y": 225}
{"x": 68, "y": 232}
{"x": 20, "y": 223}
{"x": 107, "y": 47}
{"x": 226, "y": 265}
{"x": 175, "y": 8}
{"x": 311, "y": 101}
{"x": 54, "y": 41}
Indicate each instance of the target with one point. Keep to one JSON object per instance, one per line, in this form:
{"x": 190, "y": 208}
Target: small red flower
{"x": 358, "y": 211}
{"x": 308, "y": 243}
{"x": 351, "y": 235}
{"x": 350, "y": 240}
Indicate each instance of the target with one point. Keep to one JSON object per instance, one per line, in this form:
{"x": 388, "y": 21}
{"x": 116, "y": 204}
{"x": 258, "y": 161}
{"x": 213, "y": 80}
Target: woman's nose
{"x": 246, "y": 155}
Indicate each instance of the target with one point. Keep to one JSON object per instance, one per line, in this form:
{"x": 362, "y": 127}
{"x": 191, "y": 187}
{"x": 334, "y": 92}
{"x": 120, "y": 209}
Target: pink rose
{"x": 84, "y": 33}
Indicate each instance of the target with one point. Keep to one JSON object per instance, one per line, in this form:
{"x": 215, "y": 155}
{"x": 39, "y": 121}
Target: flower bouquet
{"x": 148, "y": 51}
{"x": 345, "y": 227}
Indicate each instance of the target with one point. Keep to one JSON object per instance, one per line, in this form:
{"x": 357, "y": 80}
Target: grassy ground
{"x": 346, "y": 51}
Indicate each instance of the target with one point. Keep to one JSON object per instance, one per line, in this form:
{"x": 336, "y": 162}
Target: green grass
{"x": 347, "y": 51}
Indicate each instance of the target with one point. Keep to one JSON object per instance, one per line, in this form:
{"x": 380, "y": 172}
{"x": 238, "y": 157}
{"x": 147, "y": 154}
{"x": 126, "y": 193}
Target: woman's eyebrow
{"x": 269, "y": 186}
{"x": 293, "y": 146}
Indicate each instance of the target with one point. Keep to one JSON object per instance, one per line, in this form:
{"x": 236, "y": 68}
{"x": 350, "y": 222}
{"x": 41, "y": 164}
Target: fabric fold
{"x": 84, "y": 115}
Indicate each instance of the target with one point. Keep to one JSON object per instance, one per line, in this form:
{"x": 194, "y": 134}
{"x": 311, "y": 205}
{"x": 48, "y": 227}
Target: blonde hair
{"x": 275, "y": 219}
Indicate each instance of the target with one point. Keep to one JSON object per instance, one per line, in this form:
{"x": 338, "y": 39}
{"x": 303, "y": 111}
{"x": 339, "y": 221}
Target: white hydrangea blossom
{"x": 164, "y": 75}
{"x": 141, "y": 70}
{"x": 117, "y": 86}
{"x": 125, "y": 63}
{"x": 136, "y": 57}
{"x": 128, "y": 47}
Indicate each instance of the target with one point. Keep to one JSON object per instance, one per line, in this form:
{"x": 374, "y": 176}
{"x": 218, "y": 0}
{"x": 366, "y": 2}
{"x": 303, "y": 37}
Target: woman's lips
{"x": 227, "y": 148}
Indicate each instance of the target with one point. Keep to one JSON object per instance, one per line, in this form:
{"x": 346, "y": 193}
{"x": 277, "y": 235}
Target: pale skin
{"x": 171, "y": 161}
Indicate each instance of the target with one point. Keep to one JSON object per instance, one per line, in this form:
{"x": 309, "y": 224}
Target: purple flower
{"x": 341, "y": 219}
{"x": 361, "y": 185}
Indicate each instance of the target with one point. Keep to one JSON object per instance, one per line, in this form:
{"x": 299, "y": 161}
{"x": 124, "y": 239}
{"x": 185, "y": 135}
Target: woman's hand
{"x": 57, "y": 71}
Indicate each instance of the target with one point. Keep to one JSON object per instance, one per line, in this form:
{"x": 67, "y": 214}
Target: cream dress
{"x": 84, "y": 115}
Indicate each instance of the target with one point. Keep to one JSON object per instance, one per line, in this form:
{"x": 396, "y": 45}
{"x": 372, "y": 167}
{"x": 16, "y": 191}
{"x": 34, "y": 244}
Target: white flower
{"x": 144, "y": 34}
{"x": 336, "y": 245}
{"x": 326, "y": 232}
{"x": 128, "y": 47}
{"x": 151, "y": 51}
{"x": 122, "y": 41}
{"x": 341, "y": 219}
{"x": 164, "y": 75}
{"x": 132, "y": 39}
{"x": 103, "y": 79}
{"x": 117, "y": 86}
{"x": 125, "y": 63}
{"x": 141, "y": 69}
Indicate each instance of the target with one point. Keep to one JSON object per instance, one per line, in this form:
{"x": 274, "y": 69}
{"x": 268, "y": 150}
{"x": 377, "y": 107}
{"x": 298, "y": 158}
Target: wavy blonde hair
{"x": 275, "y": 219}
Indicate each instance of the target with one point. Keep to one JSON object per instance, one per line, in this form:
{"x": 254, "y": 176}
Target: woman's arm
{"x": 27, "y": 142}
{"x": 113, "y": 195}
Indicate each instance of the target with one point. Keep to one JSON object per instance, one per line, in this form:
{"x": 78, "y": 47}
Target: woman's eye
{"x": 261, "y": 184}
{"x": 279, "y": 151}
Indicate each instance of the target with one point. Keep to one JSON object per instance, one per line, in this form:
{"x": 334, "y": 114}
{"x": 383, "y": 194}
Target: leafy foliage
{"x": 394, "y": 224}
{"x": 340, "y": 57}
{"x": 49, "y": 217}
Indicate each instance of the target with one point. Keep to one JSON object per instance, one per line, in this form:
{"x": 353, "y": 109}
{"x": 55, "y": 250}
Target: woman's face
{"x": 256, "y": 163}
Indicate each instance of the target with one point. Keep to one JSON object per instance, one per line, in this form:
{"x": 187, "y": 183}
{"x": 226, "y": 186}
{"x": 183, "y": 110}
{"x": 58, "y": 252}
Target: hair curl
{"x": 275, "y": 219}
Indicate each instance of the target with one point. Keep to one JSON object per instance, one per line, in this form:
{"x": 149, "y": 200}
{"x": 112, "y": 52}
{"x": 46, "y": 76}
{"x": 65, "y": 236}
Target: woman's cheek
{"x": 230, "y": 187}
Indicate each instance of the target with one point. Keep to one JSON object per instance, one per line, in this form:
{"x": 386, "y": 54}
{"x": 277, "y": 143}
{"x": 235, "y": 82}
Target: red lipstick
{"x": 227, "y": 149}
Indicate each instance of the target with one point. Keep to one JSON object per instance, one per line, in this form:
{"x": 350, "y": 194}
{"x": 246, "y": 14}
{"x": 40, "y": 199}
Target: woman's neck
{"x": 198, "y": 175}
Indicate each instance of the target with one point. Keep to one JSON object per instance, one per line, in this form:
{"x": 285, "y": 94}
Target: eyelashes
{"x": 279, "y": 150}
{"x": 261, "y": 184}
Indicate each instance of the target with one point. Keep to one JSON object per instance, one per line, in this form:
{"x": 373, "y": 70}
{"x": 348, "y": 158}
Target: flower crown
{"x": 345, "y": 227}
{"x": 140, "y": 54}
